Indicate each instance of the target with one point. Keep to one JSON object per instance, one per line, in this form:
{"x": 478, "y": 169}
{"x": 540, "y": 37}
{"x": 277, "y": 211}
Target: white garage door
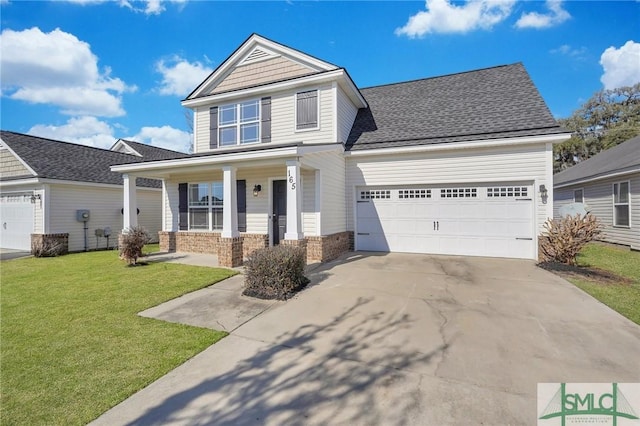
{"x": 16, "y": 221}
{"x": 493, "y": 220}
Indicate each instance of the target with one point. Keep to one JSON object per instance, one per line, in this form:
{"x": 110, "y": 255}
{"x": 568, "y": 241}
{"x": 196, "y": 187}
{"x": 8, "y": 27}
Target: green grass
{"x": 72, "y": 345}
{"x": 622, "y": 297}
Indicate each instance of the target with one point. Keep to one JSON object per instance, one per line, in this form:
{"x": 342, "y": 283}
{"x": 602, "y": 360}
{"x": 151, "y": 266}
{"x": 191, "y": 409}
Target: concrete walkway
{"x": 398, "y": 340}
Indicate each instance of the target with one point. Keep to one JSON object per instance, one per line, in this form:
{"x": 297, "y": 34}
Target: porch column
{"x": 229, "y": 204}
{"x": 130, "y": 210}
{"x": 294, "y": 202}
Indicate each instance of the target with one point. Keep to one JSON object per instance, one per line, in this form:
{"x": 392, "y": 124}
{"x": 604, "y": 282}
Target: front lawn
{"x": 72, "y": 345}
{"x": 621, "y": 294}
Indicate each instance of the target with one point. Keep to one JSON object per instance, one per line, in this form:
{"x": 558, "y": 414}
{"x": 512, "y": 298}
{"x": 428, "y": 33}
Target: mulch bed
{"x": 595, "y": 275}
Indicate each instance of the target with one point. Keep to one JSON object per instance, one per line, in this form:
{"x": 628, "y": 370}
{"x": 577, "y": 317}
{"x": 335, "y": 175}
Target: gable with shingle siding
{"x": 10, "y": 166}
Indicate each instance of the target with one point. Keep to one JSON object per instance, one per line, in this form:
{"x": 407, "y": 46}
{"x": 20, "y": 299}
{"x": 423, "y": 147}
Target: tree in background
{"x": 610, "y": 117}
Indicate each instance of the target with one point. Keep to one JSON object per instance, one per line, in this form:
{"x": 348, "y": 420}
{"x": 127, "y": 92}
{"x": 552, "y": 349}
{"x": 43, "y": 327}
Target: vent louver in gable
{"x": 256, "y": 55}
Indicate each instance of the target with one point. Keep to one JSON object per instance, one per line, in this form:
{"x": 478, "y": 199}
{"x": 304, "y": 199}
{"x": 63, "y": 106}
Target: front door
{"x": 279, "y": 216}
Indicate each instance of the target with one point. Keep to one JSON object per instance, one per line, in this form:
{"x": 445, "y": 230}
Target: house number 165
{"x": 292, "y": 181}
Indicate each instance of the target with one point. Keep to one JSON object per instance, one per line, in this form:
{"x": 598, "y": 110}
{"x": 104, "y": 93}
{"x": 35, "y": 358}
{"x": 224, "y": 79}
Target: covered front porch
{"x": 230, "y": 204}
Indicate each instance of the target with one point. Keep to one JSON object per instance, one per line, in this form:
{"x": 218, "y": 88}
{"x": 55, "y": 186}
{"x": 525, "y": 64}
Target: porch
{"x": 230, "y": 204}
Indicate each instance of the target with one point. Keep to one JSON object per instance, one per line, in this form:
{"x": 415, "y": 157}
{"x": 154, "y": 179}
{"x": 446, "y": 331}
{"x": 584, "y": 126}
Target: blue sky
{"x": 92, "y": 71}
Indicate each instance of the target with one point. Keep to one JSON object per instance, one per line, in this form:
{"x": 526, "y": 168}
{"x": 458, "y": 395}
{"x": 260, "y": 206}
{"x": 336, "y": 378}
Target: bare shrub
{"x": 562, "y": 239}
{"x": 47, "y": 248}
{"x": 132, "y": 243}
{"x": 275, "y": 272}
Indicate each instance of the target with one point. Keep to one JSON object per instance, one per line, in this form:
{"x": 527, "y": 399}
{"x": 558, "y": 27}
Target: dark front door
{"x": 279, "y": 216}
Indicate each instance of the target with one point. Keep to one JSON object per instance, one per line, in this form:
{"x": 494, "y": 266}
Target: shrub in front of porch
{"x": 275, "y": 272}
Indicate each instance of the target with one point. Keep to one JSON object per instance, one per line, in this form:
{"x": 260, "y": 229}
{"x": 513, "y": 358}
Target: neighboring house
{"x": 609, "y": 185}
{"x": 45, "y": 182}
{"x": 288, "y": 150}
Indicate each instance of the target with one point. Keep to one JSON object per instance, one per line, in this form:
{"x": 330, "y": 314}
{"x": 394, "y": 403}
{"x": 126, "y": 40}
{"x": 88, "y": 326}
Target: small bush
{"x": 275, "y": 272}
{"x": 47, "y": 248}
{"x": 132, "y": 243}
{"x": 563, "y": 238}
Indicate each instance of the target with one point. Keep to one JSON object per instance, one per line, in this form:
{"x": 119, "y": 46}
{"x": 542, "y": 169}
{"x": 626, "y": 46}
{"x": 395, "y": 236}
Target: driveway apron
{"x": 399, "y": 339}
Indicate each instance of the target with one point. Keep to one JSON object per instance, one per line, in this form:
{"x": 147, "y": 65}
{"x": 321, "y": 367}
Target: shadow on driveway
{"x": 289, "y": 384}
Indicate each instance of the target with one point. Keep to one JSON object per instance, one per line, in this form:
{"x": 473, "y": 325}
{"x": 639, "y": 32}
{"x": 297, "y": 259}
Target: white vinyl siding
{"x": 332, "y": 190}
{"x": 346, "y": 115}
{"x": 598, "y": 196}
{"x": 105, "y": 206}
{"x": 283, "y": 118}
{"x": 517, "y": 164}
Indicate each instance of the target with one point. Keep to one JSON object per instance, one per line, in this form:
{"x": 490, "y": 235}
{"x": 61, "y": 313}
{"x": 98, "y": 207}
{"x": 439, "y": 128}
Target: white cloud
{"x": 567, "y": 50}
{"x": 69, "y": 78}
{"x": 556, "y": 16}
{"x": 81, "y": 130}
{"x": 180, "y": 77}
{"x": 621, "y": 66}
{"x": 90, "y": 131}
{"x": 164, "y": 137}
{"x": 151, "y": 7}
{"x": 442, "y": 16}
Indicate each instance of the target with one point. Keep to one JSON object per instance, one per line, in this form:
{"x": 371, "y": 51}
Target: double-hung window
{"x": 621, "y": 204}
{"x": 205, "y": 206}
{"x": 578, "y": 196}
{"x": 239, "y": 123}
{"x": 307, "y": 110}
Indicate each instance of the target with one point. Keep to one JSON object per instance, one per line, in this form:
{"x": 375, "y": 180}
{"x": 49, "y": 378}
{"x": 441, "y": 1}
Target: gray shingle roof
{"x": 52, "y": 159}
{"x": 624, "y": 157}
{"x": 484, "y": 104}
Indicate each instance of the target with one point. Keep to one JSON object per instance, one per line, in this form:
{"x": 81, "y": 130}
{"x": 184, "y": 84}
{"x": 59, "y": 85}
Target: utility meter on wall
{"x": 82, "y": 215}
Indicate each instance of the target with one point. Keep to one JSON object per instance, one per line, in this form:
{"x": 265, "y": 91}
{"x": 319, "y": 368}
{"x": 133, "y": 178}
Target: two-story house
{"x": 288, "y": 150}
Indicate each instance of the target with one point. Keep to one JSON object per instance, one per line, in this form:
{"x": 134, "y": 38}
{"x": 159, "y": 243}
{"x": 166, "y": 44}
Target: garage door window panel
{"x": 458, "y": 193}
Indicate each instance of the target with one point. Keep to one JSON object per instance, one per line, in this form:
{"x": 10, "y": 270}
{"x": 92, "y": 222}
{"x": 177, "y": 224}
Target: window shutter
{"x": 266, "y": 120}
{"x": 307, "y": 110}
{"x": 241, "y": 186}
{"x": 183, "y": 206}
{"x": 213, "y": 127}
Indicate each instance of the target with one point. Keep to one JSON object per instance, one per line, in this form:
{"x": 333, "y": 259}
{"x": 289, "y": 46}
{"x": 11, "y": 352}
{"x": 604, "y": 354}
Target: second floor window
{"x": 239, "y": 123}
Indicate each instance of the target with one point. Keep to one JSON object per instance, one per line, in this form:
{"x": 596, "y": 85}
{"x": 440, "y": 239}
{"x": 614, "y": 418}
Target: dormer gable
{"x": 259, "y": 61}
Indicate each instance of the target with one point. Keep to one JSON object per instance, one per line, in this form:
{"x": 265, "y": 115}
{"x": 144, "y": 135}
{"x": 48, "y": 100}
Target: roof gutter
{"x": 596, "y": 178}
{"x": 486, "y": 143}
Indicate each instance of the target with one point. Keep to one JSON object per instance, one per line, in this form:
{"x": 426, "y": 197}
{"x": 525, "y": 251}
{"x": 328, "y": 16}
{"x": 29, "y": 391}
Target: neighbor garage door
{"x": 16, "y": 217}
{"x": 476, "y": 220}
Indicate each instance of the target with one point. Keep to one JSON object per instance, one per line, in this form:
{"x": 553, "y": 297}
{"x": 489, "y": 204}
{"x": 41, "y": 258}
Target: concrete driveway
{"x": 399, "y": 339}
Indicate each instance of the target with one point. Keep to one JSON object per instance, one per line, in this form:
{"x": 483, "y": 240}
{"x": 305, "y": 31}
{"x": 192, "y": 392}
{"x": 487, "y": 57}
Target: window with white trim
{"x": 205, "y": 206}
{"x": 578, "y": 196}
{"x": 239, "y": 123}
{"x": 621, "y": 204}
{"x": 307, "y": 110}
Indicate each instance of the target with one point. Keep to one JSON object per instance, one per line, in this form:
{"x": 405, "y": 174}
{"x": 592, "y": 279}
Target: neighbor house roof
{"x": 51, "y": 159}
{"x": 484, "y": 104}
{"x": 621, "y": 159}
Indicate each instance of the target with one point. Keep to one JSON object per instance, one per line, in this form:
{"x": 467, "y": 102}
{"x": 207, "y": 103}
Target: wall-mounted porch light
{"x": 543, "y": 193}
{"x": 256, "y": 189}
